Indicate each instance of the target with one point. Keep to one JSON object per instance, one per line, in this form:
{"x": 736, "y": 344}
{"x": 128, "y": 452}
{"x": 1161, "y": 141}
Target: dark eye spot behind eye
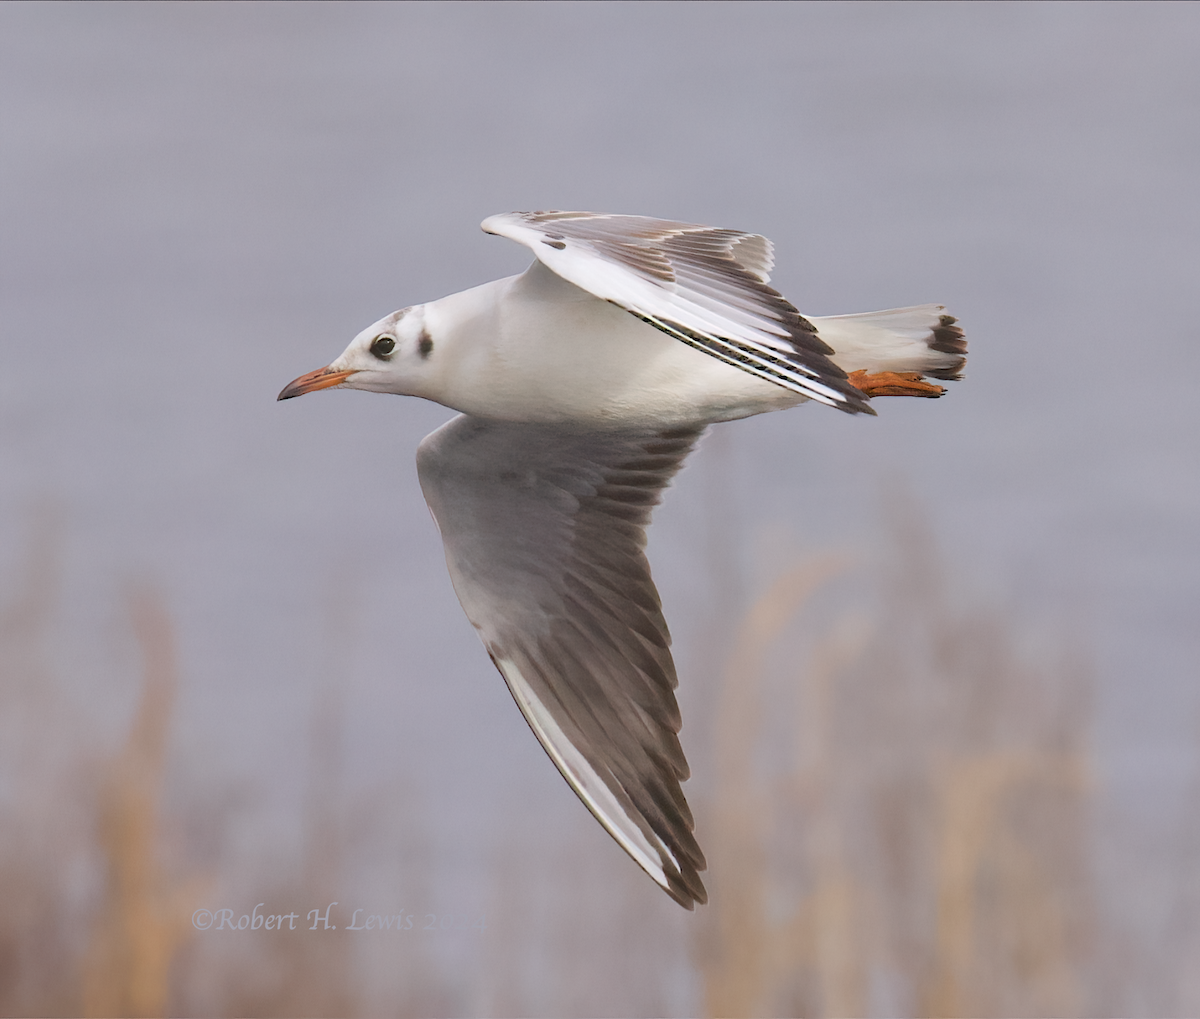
{"x": 425, "y": 344}
{"x": 382, "y": 346}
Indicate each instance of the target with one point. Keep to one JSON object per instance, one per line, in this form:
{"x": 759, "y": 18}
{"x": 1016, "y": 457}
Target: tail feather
{"x": 923, "y": 339}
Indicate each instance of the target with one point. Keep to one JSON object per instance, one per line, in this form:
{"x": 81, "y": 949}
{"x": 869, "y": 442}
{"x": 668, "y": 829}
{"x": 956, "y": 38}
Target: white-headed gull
{"x": 583, "y": 384}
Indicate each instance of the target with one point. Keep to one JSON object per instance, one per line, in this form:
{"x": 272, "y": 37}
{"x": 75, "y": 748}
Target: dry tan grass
{"x": 898, "y": 825}
{"x": 993, "y": 887}
{"x": 299, "y": 973}
{"x": 120, "y": 942}
{"x": 69, "y": 946}
{"x": 42, "y": 828}
{"x": 143, "y": 918}
{"x": 922, "y": 851}
{"x": 741, "y": 959}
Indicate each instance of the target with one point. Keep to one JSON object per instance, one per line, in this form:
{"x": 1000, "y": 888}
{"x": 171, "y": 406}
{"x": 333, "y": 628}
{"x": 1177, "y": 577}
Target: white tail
{"x": 923, "y": 339}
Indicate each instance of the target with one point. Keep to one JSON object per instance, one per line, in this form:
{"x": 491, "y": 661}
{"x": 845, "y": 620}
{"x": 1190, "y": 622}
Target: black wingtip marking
{"x": 686, "y": 889}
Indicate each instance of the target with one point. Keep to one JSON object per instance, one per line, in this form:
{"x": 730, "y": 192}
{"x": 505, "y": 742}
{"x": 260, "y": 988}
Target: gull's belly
{"x": 552, "y": 352}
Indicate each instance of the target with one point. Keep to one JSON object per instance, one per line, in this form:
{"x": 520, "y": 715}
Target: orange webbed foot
{"x": 893, "y": 384}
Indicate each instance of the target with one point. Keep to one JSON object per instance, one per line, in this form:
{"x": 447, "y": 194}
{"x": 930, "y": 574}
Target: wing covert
{"x": 705, "y": 286}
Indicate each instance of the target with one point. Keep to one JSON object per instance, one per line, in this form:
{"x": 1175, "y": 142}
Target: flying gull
{"x": 582, "y": 385}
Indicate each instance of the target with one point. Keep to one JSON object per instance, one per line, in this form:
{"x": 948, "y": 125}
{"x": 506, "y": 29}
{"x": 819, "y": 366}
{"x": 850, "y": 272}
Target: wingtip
{"x": 687, "y": 890}
{"x": 858, "y": 403}
{"x": 851, "y": 400}
{"x": 680, "y": 877}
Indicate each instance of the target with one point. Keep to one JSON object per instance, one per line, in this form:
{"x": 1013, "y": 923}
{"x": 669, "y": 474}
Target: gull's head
{"x": 391, "y": 356}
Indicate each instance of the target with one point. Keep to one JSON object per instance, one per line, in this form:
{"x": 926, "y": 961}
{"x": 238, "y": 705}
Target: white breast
{"x": 537, "y": 348}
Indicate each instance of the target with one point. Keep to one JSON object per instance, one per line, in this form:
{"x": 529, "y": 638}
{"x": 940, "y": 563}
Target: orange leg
{"x": 893, "y": 384}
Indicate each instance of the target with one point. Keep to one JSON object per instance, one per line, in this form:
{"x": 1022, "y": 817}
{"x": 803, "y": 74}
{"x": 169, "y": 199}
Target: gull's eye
{"x": 382, "y": 346}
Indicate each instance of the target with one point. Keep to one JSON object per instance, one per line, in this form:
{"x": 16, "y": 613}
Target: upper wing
{"x": 704, "y": 286}
{"x": 544, "y": 530}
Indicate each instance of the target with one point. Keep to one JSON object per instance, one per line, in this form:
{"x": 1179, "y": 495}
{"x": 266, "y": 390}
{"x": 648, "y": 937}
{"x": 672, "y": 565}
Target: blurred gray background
{"x": 200, "y": 202}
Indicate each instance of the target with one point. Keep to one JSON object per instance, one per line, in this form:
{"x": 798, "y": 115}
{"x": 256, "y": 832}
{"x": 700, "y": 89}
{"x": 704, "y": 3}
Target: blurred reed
{"x": 43, "y": 834}
{"x": 356, "y": 844}
{"x": 919, "y": 845}
{"x": 98, "y": 879}
{"x": 286, "y": 972}
{"x": 900, "y": 823}
{"x": 143, "y": 918}
{"x": 90, "y": 922}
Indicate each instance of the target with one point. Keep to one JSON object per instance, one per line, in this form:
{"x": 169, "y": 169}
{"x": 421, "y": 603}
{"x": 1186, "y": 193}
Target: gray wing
{"x": 705, "y": 286}
{"x": 544, "y": 530}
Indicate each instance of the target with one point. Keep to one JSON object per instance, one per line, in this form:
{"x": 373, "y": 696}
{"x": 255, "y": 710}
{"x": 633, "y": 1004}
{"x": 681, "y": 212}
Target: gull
{"x": 582, "y": 384}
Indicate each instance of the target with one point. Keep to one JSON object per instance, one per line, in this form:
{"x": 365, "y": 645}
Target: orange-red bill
{"x": 322, "y": 378}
